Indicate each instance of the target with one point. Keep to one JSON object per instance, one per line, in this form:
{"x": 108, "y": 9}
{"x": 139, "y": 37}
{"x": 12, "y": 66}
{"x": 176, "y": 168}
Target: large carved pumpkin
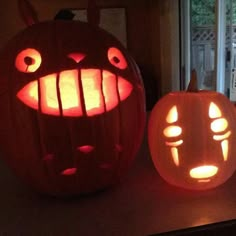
{"x": 192, "y": 136}
{"x": 72, "y": 107}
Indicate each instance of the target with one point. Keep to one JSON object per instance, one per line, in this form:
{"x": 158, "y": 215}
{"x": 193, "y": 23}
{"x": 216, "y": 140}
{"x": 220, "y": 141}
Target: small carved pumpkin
{"x": 191, "y": 137}
{"x": 72, "y": 101}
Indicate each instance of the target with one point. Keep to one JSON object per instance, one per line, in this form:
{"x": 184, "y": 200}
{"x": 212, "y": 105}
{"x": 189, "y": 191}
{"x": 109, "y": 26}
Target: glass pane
{"x": 230, "y": 68}
{"x": 203, "y": 42}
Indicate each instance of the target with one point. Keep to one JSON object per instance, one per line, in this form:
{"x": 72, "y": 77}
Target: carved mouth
{"x": 203, "y": 173}
{"x": 204, "y": 180}
{"x": 76, "y": 92}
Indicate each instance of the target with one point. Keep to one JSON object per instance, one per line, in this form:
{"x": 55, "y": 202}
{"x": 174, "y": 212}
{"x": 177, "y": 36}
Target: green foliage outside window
{"x": 203, "y": 12}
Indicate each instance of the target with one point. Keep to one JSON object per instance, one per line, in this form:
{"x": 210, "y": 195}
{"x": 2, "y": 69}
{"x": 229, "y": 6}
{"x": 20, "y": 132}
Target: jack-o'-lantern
{"x": 191, "y": 137}
{"x": 72, "y": 107}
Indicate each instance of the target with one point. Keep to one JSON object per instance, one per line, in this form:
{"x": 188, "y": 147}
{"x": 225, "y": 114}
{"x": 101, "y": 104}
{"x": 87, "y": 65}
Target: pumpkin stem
{"x": 192, "y": 86}
{"x": 93, "y": 13}
{"x": 27, "y": 12}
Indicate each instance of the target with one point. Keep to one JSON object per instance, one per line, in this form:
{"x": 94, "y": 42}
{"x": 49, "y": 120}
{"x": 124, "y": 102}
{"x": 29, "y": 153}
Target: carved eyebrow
{"x": 172, "y": 115}
{"x": 214, "y": 111}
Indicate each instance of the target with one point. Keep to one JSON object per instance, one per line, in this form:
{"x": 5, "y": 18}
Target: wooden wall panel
{"x": 169, "y": 45}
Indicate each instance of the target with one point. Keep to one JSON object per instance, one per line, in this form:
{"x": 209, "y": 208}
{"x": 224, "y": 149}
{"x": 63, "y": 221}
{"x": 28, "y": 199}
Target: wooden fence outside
{"x": 203, "y": 54}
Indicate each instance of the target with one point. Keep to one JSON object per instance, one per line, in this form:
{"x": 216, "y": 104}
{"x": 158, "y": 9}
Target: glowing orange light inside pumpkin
{"x": 116, "y": 58}
{"x": 175, "y": 144}
{"x": 219, "y": 125}
{"x": 214, "y": 111}
{"x": 225, "y": 148}
{"x": 28, "y": 60}
{"x": 69, "y": 171}
{"x": 172, "y": 115}
{"x": 202, "y": 172}
{"x": 175, "y": 155}
{"x": 221, "y": 137}
{"x": 77, "y": 57}
{"x": 172, "y": 131}
{"x": 86, "y": 148}
{"x": 99, "y": 89}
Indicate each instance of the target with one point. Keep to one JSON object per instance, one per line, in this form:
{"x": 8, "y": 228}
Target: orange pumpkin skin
{"x": 56, "y": 147}
{"x": 191, "y": 137}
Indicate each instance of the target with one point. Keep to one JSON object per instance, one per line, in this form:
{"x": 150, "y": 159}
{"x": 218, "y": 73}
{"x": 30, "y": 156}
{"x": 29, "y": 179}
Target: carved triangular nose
{"x": 77, "y": 57}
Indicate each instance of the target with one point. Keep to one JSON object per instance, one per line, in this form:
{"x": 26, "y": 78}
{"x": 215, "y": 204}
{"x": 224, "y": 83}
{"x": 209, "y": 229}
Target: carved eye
{"x": 116, "y": 58}
{"x": 219, "y": 125}
{"x": 172, "y": 131}
{"x": 172, "y": 115}
{"x": 28, "y": 60}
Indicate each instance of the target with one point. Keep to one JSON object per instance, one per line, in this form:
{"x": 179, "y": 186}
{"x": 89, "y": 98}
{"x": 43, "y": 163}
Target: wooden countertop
{"x": 142, "y": 204}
